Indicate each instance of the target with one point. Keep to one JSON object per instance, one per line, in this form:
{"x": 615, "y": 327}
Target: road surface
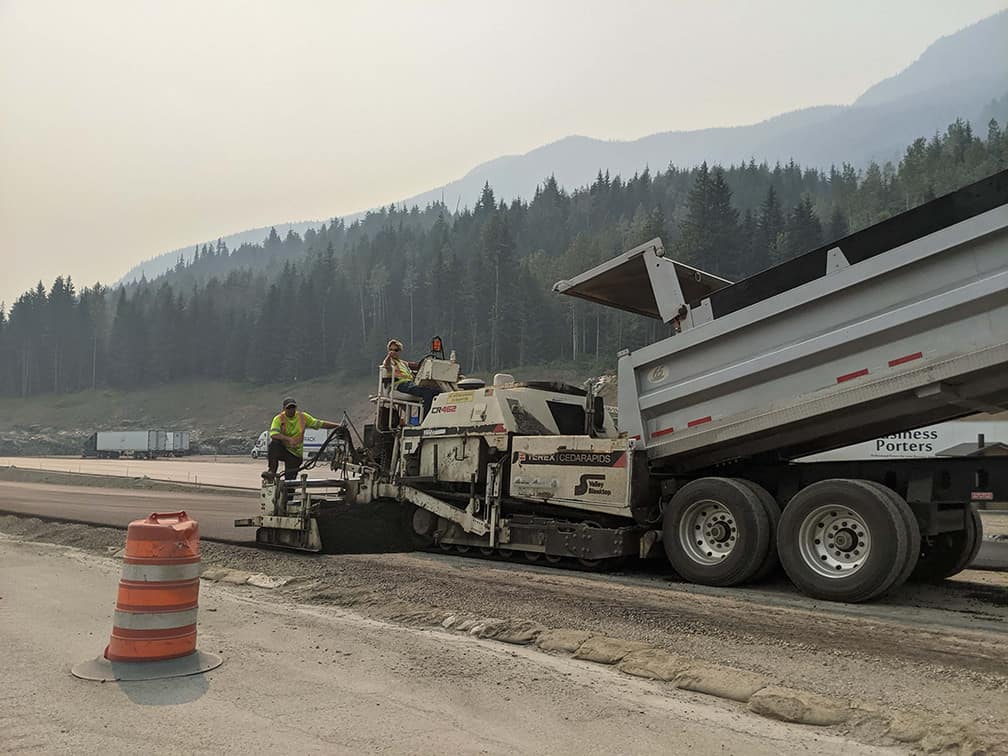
{"x": 322, "y": 680}
{"x": 118, "y": 507}
{"x": 235, "y": 472}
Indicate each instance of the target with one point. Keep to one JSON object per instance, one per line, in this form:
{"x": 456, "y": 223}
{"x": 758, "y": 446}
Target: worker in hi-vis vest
{"x": 402, "y": 376}
{"x": 287, "y": 438}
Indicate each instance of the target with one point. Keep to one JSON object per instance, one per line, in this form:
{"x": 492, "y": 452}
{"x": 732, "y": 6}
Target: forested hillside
{"x": 326, "y": 303}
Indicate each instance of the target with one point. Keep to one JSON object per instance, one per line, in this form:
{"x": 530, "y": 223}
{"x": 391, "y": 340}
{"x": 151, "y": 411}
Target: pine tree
{"x": 803, "y": 231}
{"x": 724, "y": 257}
{"x": 695, "y": 228}
{"x": 769, "y": 226}
{"x": 838, "y": 226}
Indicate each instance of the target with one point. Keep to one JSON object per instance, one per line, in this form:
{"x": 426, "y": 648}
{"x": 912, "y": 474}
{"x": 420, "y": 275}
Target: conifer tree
{"x": 769, "y": 226}
{"x": 803, "y": 231}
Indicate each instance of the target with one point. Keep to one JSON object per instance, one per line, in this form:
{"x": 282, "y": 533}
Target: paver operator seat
{"x": 394, "y": 408}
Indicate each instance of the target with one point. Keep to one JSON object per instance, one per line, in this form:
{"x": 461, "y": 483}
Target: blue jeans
{"x": 427, "y": 393}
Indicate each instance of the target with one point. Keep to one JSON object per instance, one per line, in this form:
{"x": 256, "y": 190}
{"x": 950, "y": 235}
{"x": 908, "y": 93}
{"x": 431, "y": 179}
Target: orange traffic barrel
{"x": 155, "y": 616}
{"x": 154, "y": 626}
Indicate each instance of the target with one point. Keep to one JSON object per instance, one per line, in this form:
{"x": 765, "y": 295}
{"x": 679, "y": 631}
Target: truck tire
{"x": 843, "y": 540}
{"x": 716, "y": 532}
{"x": 948, "y": 554}
{"x": 913, "y": 535}
{"x": 770, "y": 562}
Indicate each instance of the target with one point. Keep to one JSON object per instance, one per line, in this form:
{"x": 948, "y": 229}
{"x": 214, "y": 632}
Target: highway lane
{"x": 118, "y": 507}
{"x": 233, "y": 472}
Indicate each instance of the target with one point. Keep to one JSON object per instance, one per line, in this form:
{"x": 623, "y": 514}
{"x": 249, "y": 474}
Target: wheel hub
{"x": 720, "y": 532}
{"x": 708, "y": 532}
{"x": 845, "y": 539}
{"x": 834, "y": 541}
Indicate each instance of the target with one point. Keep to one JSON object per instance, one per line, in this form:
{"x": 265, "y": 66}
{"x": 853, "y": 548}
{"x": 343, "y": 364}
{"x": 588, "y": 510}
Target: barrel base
{"x": 103, "y": 670}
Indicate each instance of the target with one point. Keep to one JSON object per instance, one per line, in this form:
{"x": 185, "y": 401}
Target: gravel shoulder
{"x": 936, "y": 651}
{"x": 310, "y": 679}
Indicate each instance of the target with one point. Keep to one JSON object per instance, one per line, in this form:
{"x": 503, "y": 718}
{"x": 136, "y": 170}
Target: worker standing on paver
{"x": 287, "y": 438}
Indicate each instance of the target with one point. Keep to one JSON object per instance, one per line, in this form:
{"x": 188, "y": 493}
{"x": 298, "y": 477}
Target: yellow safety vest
{"x": 400, "y": 372}
{"x": 282, "y": 420}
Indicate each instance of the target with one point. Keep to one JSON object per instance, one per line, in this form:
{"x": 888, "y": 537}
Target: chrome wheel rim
{"x": 708, "y": 532}
{"x": 834, "y": 541}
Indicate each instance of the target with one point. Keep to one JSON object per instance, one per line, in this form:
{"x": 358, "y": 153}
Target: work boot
{"x": 269, "y": 475}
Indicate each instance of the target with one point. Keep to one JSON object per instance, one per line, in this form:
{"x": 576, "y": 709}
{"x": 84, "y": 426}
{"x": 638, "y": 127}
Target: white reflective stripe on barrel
{"x": 153, "y": 621}
{"x": 160, "y": 573}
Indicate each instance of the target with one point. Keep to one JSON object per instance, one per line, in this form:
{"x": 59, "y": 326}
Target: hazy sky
{"x": 132, "y": 128}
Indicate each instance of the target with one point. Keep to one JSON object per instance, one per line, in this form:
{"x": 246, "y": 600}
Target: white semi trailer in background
{"x": 115, "y": 444}
{"x": 144, "y": 444}
{"x": 177, "y": 443}
{"x": 899, "y": 326}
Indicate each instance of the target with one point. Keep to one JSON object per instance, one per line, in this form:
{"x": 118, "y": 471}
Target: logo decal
{"x": 657, "y": 374}
{"x": 593, "y": 485}
{"x": 576, "y": 457}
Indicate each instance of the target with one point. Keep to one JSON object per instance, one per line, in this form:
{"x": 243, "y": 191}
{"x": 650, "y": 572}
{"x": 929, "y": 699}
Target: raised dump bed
{"x": 898, "y": 326}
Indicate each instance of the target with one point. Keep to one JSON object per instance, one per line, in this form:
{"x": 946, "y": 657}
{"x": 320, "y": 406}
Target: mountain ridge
{"x": 956, "y": 76}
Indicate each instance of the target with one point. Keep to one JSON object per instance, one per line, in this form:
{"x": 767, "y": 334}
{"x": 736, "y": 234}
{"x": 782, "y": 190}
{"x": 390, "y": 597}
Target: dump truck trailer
{"x": 898, "y": 326}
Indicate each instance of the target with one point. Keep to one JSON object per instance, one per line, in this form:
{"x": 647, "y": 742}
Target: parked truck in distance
{"x": 313, "y": 440}
{"x": 143, "y": 444}
{"x": 177, "y": 443}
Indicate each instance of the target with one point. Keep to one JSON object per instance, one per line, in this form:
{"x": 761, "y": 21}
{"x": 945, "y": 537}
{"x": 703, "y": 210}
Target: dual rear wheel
{"x": 720, "y": 531}
{"x": 840, "y": 540}
{"x": 848, "y": 540}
